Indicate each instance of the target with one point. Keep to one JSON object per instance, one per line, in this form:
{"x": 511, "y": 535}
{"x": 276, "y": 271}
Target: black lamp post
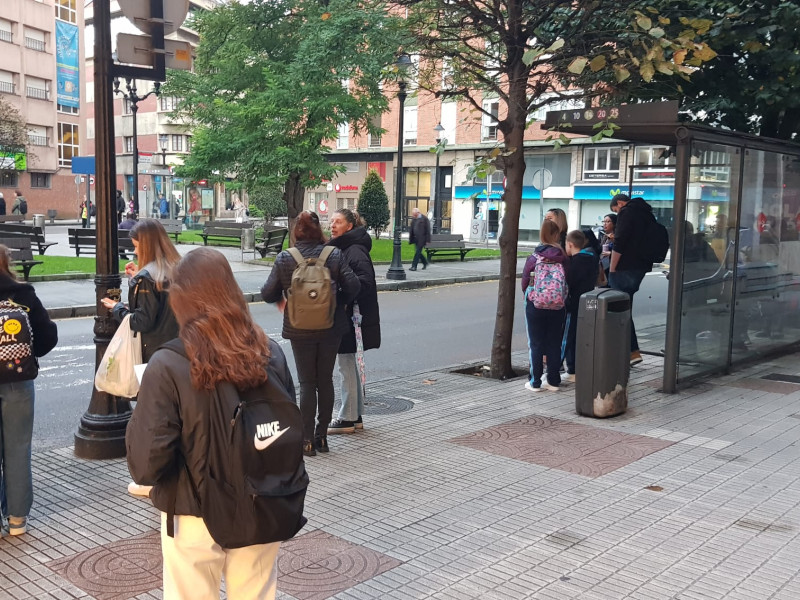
{"x": 437, "y": 201}
{"x": 134, "y": 98}
{"x": 163, "y": 140}
{"x": 396, "y": 270}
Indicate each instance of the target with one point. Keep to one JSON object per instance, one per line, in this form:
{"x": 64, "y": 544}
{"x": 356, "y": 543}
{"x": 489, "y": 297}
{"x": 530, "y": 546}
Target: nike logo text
{"x": 267, "y": 433}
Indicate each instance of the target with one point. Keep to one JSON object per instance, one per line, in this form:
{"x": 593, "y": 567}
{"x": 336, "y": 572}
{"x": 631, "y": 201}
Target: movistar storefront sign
{"x": 606, "y": 192}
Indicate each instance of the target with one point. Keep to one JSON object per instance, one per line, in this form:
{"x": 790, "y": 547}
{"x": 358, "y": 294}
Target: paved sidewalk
{"x": 461, "y": 488}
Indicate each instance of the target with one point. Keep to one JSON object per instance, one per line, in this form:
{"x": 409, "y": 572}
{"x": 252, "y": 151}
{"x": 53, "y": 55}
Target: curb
{"x": 74, "y": 312}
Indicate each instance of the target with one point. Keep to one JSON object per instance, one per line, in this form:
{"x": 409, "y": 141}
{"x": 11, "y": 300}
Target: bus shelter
{"x": 733, "y": 279}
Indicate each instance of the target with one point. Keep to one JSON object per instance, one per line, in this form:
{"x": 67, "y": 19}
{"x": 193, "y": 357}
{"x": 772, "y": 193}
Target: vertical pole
{"x": 134, "y": 101}
{"x": 437, "y": 204}
{"x": 396, "y": 270}
{"x": 101, "y": 432}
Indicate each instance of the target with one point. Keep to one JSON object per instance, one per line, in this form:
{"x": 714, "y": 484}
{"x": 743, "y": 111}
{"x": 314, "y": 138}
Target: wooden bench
{"x": 224, "y": 231}
{"x": 446, "y": 243}
{"x": 34, "y": 234}
{"x": 12, "y": 218}
{"x": 85, "y": 240}
{"x": 271, "y": 241}
{"x": 173, "y": 227}
{"x": 21, "y": 254}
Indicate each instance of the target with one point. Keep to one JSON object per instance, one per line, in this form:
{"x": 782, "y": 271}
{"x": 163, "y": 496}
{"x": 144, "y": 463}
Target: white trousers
{"x": 194, "y": 565}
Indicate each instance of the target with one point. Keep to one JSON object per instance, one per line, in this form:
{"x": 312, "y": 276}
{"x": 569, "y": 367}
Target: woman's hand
{"x": 108, "y": 303}
{"x": 131, "y": 269}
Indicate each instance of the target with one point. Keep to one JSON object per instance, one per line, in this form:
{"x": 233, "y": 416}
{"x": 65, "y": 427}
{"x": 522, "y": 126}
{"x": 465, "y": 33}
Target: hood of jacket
{"x": 356, "y": 236}
{"x": 638, "y": 204}
{"x": 551, "y": 253}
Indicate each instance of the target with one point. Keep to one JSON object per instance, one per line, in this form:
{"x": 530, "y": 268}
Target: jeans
{"x": 570, "y": 339}
{"x": 419, "y": 256}
{"x": 628, "y": 281}
{"x": 16, "y": 431}
{"x": 352, "y": 391}
{"x": 545, "y": 329}
{"x": 314, "y": 361}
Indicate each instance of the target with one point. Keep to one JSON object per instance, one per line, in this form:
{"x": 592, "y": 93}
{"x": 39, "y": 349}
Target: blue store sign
{"x": 463, "y": 192}
{"x": 606, "y": 192}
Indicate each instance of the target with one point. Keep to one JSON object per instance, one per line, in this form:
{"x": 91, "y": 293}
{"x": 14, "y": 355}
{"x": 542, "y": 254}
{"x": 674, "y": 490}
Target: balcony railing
{"x": 7, "y": 87}
{"x": 38, "y": 93}
{"x": 35, "y": 44}
{"x": 374, "y": 141}
{"x": 6, "y": 36}
{"x": 38, "y": 140}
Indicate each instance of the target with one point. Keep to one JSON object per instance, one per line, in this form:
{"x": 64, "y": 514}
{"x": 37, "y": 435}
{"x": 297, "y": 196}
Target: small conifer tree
{"x": 373, "y": 204}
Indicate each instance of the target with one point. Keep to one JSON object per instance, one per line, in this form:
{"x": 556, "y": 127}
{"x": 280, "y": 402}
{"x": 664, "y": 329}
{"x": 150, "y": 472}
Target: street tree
{"x": 267, "y": 202}
{"x": 272, "y": 83}
{"x": 13, "y": 136}
{"x": 373, "y": 204}
{"x": 529, "y": 54}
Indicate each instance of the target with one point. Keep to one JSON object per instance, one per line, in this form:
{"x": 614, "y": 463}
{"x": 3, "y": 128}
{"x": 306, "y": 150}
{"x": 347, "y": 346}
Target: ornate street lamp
{"x": 437, "y": 201}
{"x": 134, "y": 98}
{"x": 163, "y": 142}
{"x": 396, "y": 270}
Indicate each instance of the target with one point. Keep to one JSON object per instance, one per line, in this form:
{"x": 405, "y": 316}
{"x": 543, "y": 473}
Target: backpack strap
{"x": 323, "y": 256}
{"x": 295, "y": 253}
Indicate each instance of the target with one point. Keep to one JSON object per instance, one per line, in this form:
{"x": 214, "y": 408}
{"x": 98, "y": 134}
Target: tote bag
{"x": 116, "y": 374}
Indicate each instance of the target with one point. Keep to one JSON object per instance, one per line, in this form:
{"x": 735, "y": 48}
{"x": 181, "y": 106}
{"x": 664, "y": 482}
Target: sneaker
{"x": 636, "y": 357}
{"x": 17, "y": 525}
{"x": 532, "y": 388}
{"x": 552, "y": 388}
{"x": 358, "y": 423}
{"x": 569, "y": 377}
{"x": 341, "y": 426}
{"x": 139, "y": 490}
{"x": 321, "y": 443}
{"x": 308, "y": 448}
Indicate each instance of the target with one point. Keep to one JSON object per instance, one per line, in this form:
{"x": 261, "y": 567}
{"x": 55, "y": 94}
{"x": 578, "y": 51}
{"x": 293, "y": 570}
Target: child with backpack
{"x": 544, "y": 282}
{"x": 581, "y": 278}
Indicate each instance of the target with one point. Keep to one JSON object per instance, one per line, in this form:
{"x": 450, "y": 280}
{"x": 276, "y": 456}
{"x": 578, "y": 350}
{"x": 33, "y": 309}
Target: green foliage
{"x": 373, "y": 204}
{"x": 267, "y": 93}
{"x": 13, "y": 135}
{"x": 267, "y": 202}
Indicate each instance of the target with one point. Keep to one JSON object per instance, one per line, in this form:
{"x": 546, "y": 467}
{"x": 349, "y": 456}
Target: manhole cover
{"x": 385, "y": 405}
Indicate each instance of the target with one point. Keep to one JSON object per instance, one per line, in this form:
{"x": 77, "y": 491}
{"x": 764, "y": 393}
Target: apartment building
{"x": 41, "y": 73}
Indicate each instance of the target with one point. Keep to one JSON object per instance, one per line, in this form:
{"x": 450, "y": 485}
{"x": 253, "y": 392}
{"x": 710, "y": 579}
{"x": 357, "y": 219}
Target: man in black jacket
{"x": 630, "y": 258}
{"x": 420, "y": 236}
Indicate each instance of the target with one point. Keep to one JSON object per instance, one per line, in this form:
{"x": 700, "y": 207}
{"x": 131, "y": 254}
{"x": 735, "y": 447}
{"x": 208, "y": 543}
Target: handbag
{"x": 116, "y": 374}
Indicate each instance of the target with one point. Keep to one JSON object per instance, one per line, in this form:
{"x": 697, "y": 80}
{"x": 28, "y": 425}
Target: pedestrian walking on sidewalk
{"x": 420, "y": 236}
{"x": 351, "y": 237}
{"x": 314, "y": 349}
{"x": 148, "y": 294}
{"x": 170, "y": 429}
{"x": 544, "y": 279}
{"x": 17, "y": 396}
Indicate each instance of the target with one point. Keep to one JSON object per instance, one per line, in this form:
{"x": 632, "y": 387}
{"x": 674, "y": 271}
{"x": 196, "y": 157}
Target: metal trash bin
{"x": 248, "y": 239}
{"x": 602, "y": 353}
{"x": 38, "y": 220}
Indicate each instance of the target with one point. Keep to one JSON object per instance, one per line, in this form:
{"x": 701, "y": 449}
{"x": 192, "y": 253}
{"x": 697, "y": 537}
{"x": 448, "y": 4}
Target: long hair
{"x": 550, "y": 233}
{"x": 560, "y": 219}
{"x": 5, "y": 262}
{"x": 221, "y": 339}
{"x": 307, "y": 229}
{"x": 155, "y": 248}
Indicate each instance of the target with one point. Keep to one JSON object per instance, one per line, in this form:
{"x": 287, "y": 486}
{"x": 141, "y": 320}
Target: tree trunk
{"x": 513, "y": 128}
{"x": 293, "y": 193}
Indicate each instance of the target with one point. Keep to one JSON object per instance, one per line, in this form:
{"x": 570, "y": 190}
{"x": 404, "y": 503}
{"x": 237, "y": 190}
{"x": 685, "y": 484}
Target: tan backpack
{"x": 311, "y": 301}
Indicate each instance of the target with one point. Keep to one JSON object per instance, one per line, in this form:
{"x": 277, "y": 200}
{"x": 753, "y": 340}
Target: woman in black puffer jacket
{"x": 350, "y": 236}
{"x": 314, "y": 350}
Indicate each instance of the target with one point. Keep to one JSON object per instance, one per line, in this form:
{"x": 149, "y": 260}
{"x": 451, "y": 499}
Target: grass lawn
{"x": 57, "y": 265}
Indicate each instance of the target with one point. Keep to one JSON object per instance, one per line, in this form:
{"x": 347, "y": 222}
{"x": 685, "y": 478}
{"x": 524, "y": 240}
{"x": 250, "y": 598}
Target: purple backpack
{"x": 548, "y": 289}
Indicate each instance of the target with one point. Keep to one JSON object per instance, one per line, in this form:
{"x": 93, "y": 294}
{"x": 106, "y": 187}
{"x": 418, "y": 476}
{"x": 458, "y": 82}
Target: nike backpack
{"x": 548, "y": 289}
{"x": 311, "y": 299}
{"x": 254, "y": 483}
{"x": 17, "y": 360}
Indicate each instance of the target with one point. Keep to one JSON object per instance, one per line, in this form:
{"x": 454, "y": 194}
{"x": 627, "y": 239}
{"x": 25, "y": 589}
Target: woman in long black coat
{"x": 350, "y": 236}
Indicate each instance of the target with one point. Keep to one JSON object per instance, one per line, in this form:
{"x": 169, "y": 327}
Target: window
{"x": 715, "y": 166}
{"x": 489, "y": 121}
{"x": 168, "y": 103}
{"x": 448, "y": 120}
{"x": 493, "y": 57}
{"x": 447, "y": 73}
{"x": 654, "y": 163}
{"x": 7, "y": 82}
{"x": 6, "y": 34}
{"x": 126, "y": 106}
{"x": 601, "y": 163}
{"x": 410, "y": 126}
{"x": 37, "y": 88}
{"x": 68, "y": 143}
{"x": 557, "y": 104}
{"x": 68, "y": 110}
{"x": 412, "y": 74}
{"x": 349, "y": 167}
{"x": 9, "y": 179}
{"x": 37, "y": 135}
{"x": 40, "y": 180}
{"x": 177, "y": 143}
{"x": 127, "y": 144}
{"x": 188, "y": 143}
{"x": 496, "y": 178}
{"x": 35, "y": 39}
{"x": 374, "y": 140}
{"x": 66, "y": 10}
{"x": 343, "y": 141}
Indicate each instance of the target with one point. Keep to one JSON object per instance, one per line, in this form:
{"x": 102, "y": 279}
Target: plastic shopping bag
{"x": 362, "y": 367}
{"x": 116, "y": 374}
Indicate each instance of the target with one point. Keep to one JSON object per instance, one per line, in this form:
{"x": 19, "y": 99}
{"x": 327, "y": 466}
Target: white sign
{"x": 144, "y": 187}
{"x": 138, "y": 13}
{"x": 138, "y": 50}
{"x": 91, "y": 180}
{"x": 323, "y": 207}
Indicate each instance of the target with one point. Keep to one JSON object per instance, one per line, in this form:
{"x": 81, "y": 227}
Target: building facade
{"x": 41, "y": 75}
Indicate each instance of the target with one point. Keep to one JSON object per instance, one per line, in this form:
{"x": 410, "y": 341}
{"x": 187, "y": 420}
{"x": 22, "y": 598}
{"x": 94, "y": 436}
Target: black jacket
{"x": 581, "y": 277}
{"x": 45, "y": 332}
{"x": 355, "y": 245}
{"x": 169, "y": 427}
{"x": 151, "y": 313}
{"x": 630, "y": 236}
{"x": 280, "y": 280}
{"x": 420, "y": 234}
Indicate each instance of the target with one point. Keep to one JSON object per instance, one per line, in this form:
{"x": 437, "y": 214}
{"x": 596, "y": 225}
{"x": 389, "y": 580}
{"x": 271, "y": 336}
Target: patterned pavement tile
{"x": 571, "y": 447}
